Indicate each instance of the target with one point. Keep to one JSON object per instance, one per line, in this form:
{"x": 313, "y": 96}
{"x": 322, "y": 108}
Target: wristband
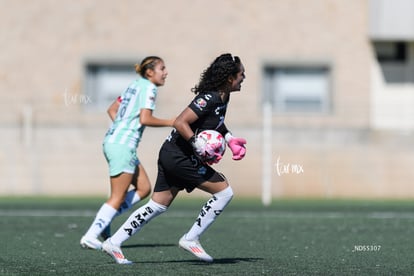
{"x": 192, "y": 139}
{"x": 228, "y": 136}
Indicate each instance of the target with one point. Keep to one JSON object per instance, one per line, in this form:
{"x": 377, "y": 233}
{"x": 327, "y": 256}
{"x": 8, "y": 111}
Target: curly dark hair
{"x": 216, "y": 75}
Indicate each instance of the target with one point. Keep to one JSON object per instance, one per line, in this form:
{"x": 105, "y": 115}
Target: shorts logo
{"x": 202, "y": 170}
{"x": 134, "y": 162}
{"x": 200, "y": 103}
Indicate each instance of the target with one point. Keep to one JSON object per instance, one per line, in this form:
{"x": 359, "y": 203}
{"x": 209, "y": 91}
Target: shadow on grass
{"x": 192, "y": 261}
{"x": 235, "y": 260}
{"x": 216, "y": 261}
{"x": 149, "y": 245}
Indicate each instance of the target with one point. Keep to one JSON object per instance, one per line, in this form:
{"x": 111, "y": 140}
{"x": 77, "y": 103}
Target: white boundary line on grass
{"x": 233, "y": 214}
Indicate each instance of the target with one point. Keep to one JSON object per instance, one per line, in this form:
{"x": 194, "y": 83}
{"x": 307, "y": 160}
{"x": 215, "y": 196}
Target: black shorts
{"x": 181, "y": 169}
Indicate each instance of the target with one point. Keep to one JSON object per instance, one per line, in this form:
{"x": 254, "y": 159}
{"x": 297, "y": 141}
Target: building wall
{"x": 392, "y": 101}
{"x": 53, "y": 146}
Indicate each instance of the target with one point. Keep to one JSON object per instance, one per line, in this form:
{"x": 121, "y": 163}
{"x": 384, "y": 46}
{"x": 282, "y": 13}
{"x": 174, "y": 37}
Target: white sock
{"x": 130, "y": 199}
{"x": 137, "y": 220}
{"x": 102, "y": 219}
{"x": 209, "y": 213}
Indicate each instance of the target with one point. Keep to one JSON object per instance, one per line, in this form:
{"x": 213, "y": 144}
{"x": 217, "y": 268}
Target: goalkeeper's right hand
{"x": 199, "y": 146}
{"x": 204, "y": 151}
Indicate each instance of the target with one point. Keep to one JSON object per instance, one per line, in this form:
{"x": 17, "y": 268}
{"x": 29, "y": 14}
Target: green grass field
{"x": 40, "y": 236}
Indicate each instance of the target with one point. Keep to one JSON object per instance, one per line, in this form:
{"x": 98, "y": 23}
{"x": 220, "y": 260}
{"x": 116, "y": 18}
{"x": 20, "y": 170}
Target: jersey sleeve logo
{"x": 152, "y": 95}
{"x": 200, "y": 103}
{"x": 150, "y": 99}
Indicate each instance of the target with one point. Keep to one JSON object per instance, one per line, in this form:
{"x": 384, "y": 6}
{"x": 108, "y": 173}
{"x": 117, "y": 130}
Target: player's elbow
{"x": 111, "y": 112}
{"x": 179, "y": 123}
{"x": 146, "y": 120}
{"x": 143, "y": 121}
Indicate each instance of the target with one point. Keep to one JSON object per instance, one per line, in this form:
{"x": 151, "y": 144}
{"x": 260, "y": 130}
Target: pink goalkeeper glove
{"x": 236, "y": 145}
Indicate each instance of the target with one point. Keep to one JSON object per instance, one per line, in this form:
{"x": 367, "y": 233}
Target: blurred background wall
{"x": 336, "y": 79}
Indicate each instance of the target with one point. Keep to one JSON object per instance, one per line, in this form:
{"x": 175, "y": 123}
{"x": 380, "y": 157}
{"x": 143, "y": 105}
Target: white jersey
{"x": 126, "y": 128}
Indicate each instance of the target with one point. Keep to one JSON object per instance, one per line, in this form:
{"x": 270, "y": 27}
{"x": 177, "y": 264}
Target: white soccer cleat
{"x": 115, "y": 252}
{"x": 90, "y": 243}
{"x": 195, "y": 248}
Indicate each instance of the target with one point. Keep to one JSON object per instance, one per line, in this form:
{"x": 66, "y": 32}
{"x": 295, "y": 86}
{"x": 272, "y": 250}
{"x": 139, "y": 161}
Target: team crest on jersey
{"x": 200, "y": 103}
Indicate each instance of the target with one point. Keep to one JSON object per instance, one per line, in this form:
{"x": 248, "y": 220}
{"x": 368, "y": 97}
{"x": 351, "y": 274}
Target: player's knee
{"x": 227, "y": 193}
{"x": 143, "y": 192}
{"x": 116, "y": 201}
{"x": 157, "y": 207}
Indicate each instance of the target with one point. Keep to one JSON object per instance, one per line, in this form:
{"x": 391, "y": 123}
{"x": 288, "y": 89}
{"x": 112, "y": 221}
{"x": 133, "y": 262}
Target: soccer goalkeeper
{"x": 181, "y": 163}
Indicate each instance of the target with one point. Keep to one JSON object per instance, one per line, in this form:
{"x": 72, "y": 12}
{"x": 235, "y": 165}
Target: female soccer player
{"x": 181, "y": 163}
{"x": 131, "y": 113}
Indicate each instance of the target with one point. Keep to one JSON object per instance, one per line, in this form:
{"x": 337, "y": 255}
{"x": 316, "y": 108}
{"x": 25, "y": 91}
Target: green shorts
{"x": 120, "y": 158}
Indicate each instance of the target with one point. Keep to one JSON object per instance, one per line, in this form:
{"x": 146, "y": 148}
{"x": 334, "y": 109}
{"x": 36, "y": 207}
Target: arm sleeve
{"x": 202, "y": 105}
{"x": 148, "y": 97}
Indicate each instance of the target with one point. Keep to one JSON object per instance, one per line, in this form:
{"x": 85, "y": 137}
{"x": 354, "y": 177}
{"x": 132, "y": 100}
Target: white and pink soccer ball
{"x": 214, "y": 144}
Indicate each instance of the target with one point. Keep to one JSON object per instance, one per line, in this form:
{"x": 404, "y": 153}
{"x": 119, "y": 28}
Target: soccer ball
{"x": 214, "y": 144}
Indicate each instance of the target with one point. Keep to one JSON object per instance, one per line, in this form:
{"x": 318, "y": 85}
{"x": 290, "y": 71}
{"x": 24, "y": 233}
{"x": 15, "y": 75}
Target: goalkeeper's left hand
{"x": 237, "y": 146}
